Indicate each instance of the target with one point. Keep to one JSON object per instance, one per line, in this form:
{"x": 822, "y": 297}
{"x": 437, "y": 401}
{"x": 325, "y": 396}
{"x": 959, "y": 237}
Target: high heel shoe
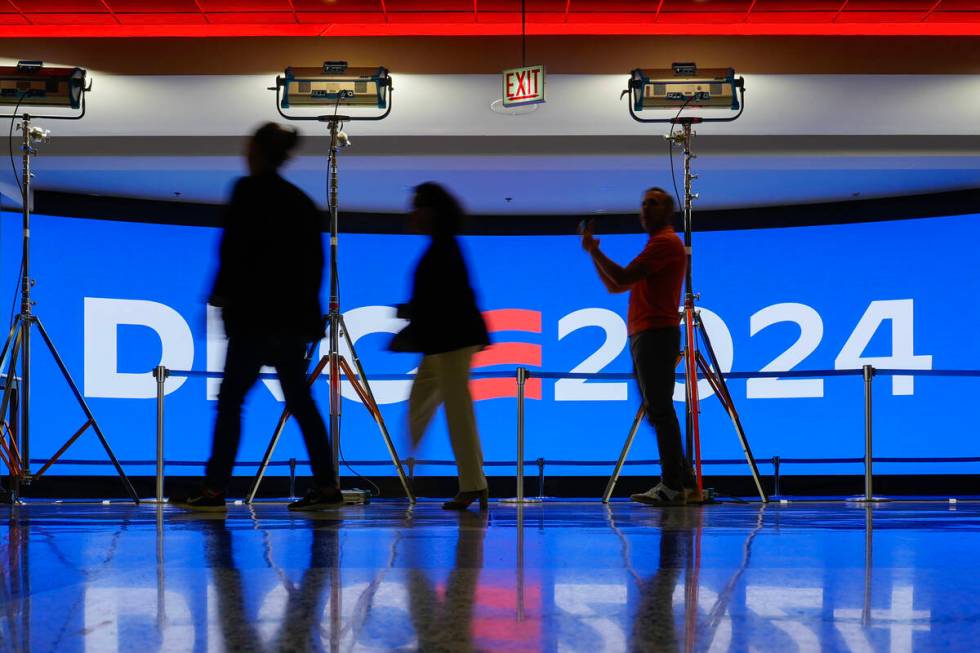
{"x": 462, "y": 500}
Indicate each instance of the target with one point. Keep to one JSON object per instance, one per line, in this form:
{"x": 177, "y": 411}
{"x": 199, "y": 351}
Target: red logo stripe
{"x": 482, "y": 389}
{"x": 513, "y": 319}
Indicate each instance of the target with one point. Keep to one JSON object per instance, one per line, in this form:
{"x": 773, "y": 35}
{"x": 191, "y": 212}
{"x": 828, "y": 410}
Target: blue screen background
{"x": 837, "y": 270}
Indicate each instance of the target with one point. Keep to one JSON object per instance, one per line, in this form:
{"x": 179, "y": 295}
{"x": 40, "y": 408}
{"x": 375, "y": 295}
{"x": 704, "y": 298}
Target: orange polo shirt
{"x": 655, "y": 299}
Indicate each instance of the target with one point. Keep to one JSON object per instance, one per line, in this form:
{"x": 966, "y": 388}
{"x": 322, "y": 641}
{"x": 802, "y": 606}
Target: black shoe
{"x": 206, "y": 501}
{"x": 319, "y": 500}
{"x": 462, "y": 500}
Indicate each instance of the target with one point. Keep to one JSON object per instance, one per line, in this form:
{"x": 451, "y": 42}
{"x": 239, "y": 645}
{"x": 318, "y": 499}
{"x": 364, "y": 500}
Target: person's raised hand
{"x": 589, "y": 242}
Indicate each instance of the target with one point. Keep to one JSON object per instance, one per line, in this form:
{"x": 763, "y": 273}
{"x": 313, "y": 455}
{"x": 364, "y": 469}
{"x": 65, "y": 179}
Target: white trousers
{"x": 444, "y": 379}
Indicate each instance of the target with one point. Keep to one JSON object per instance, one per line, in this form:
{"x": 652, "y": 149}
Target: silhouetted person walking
{"x": 268, "y": 288}
{"x": 448, "y": 329}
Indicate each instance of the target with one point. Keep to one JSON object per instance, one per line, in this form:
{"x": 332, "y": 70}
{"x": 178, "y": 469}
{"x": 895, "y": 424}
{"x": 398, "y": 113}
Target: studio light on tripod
{"x": 684, "y": 85}
{"x": 334, "y": 84}
{"x": 31, "y": 83}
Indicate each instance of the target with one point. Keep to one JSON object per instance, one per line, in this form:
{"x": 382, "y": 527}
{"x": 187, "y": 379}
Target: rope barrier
{"x": 512, "y": 463}
{"x": 622, "y": 376}
{"x": 520, "y": 376}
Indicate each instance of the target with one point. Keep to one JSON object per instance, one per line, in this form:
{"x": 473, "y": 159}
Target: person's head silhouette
{"x": 270, "y": 147}
{"x": 435, "y": 211}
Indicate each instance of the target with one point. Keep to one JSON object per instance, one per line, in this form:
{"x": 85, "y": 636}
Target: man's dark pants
{"x": 244, "y": 360}
{"x": 655, "y": 353}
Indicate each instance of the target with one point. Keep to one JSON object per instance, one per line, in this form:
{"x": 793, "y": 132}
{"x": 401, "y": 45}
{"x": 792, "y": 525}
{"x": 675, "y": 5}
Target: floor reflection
{"x": 557, "y": 577}
{"x": 442, "y": 616}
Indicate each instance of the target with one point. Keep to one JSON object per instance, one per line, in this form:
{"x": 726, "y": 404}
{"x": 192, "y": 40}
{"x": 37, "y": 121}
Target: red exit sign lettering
{"x": 523, "y": 86}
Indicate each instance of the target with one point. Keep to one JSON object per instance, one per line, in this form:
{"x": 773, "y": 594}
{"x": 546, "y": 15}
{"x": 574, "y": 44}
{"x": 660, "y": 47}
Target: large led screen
{"x": 118, "y": 298}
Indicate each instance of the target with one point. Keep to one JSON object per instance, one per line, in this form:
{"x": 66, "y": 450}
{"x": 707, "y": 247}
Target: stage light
{"x": 29, "y": 83}
{"x": 684, "y": 85}
{"x": 334, "y": 84}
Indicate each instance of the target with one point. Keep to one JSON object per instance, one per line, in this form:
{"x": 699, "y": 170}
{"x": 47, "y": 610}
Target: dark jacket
{"x": 270, "y": 262}
{"x": 443, "y": 312}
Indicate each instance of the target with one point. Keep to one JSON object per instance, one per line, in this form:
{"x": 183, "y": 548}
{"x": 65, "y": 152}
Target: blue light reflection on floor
{"x": 557, "y": 577}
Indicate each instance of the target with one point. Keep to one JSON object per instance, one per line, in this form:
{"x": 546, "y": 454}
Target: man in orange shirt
{"x": 654, "y": 279}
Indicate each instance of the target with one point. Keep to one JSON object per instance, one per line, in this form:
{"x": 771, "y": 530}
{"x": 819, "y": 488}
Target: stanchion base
{"x": 525, "y": 500}
{"x": 864, "y": 499}
{"x": 356, "y": 496}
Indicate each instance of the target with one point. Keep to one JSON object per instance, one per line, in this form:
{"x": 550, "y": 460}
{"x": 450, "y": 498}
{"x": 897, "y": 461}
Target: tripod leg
{"x": 8, "y": 394}
{"x": 8, "y": 386}
{"x": 395, "y": 460}
{"x": 280, "y": 425}
{"x": 11, "y": 337}
{"x": 721, "y": 389}
{"x": 611, "y": 485}
{"x": 88, "y": 413}
{"x": 693, "y": 401}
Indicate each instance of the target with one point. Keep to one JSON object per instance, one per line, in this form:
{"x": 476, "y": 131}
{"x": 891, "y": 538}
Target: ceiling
{"x": 95, "y": 18}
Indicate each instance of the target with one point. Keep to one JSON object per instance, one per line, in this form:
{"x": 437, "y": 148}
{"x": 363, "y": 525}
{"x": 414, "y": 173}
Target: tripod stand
{"x": 333, "y": 361}
{"x": 694, "y": 331}
{"x": 18, "y": 345}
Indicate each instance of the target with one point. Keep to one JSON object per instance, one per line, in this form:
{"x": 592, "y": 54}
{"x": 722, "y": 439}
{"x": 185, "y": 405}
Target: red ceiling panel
{"x": 429, "y": 6}
{"x": 889, "y": 5}
{"x": 514, "y": 6}
{"x": 244, "y": 6}
{"x": 345, "y": 18}
{"x": 72, "y": 19}
{"x": 61, "y": 6}
{"x": 798, "y": 5}
{"x": 706, "y": 7}
{"x": 791, "y": 17}
{"x": 615, "y": 6}
{"x": 162, "y": 19}
{"x": 256, "y": 18}
{"x": 954, "y": 18}
{"x": 340, "y": 6}
{"x": 153, "y": 6}
{"x": 881, "y": 17}
{"x": 28, "y": 18}
{"x": 959, "y": 5}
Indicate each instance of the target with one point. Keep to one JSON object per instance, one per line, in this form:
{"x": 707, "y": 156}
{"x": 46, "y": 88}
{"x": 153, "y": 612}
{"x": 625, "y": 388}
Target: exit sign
{"x": 523, "y": 86}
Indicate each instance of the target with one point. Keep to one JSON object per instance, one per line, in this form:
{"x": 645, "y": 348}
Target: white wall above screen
{"x": 577, "y": 105}
{"x": 873, "y": 117}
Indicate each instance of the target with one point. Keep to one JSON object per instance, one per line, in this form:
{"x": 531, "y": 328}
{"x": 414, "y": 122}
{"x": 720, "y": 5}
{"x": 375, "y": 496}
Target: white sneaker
{"x": 660, "y": 495}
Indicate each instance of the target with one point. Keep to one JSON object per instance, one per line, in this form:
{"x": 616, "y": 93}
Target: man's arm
{"x": 610, "y": 285}
{"x": 615, "y": 278}
{"x": 619, "y": 276}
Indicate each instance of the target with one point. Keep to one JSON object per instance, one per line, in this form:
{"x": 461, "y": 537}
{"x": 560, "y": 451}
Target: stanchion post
{"x": 540, "y": 462}
{"x": 869, "y": 373}
{"x": 775, "y": 476}
{"x": 521, "y": 382}
{"x": 160, "y": 374}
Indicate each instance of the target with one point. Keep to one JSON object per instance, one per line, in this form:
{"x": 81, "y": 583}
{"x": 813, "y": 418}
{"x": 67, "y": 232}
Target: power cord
{"x": 20, "y": 186}
{"x": 340, "y": 448}
{"x": 670, "y": 153}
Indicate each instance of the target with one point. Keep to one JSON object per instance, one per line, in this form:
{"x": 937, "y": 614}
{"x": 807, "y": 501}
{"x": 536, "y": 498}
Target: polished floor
{"x": 554, "y": 577}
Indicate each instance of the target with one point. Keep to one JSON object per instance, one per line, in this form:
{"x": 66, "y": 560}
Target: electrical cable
{"x": 20, "y": 186}
{"x": 670, "y": 153}
{"x": 340, "y": 449}
{"x": 10, "y": 141}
